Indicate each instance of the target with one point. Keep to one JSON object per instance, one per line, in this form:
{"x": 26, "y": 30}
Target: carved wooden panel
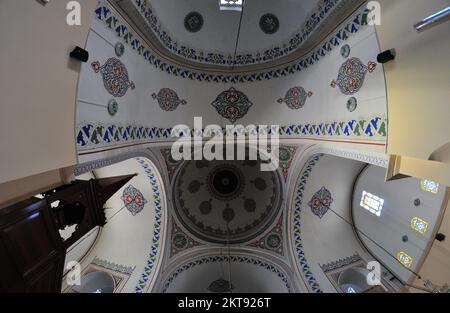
{"x": 31, "y": 248}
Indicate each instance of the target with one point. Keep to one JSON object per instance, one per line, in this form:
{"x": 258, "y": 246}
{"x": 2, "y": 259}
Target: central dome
{"x": 226, "y": 201}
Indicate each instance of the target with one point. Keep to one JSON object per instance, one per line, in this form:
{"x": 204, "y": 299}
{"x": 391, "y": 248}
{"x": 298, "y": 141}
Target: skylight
{"x": 231, "y": 5}
{"x": 372, "y": 203}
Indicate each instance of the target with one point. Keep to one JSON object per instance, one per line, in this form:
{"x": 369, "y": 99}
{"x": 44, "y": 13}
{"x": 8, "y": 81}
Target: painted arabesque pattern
{"x": 115, "y": 76}
{"x": 92, "y": 135}
{"x": 180, "y": 241}
{"x": 273, "y": 240}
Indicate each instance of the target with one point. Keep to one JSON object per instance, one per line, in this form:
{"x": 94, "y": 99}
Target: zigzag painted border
{"x": 91, "y": 135}
{"x": 155, "y": 245}
{"x": 302, "y": 262}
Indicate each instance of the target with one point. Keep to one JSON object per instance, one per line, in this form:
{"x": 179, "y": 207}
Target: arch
{"x": 128, "y": 222}
{"x": 294, "y": 217}
{"x": 216, "y": 255}
{"x": 319, "y": 223}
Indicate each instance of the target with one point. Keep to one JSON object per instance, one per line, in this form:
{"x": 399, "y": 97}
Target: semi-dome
{"x": 199, "y": 34}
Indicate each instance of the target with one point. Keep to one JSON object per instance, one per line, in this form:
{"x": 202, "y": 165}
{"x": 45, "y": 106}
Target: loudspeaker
{"x": 440, "y": 237}
{"x": 386, "y": 56}
{"x": 80, "y": 54}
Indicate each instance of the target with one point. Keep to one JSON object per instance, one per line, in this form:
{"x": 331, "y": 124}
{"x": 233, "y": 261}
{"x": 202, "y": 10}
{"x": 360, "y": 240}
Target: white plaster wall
{"x": 395, "y": 220}
{"x": 420, "y": 75}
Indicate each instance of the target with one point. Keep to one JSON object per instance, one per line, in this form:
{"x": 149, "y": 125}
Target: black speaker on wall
{"x": 386, "y": 56}
{"x": 80, "y": 54}
{"x": 440, "y": 237}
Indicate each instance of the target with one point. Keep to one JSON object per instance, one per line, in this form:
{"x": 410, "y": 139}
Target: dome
{"x": 226, "y": 201}
{"x": 182, "y": 31}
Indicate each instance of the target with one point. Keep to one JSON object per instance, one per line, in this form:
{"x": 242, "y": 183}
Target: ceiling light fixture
{"x": 231, "y": 5}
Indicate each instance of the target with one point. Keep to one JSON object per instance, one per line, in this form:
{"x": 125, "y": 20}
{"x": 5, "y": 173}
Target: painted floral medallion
{"x": 115, "y": 76}
{"x": 352, "y": 74}
{"x": 168, "y": 99}
{"x": 320, "y": 202}
{"x": 295, "y": 98}
{"x": 232, "y": 104}
{"x": 133, "y": 199}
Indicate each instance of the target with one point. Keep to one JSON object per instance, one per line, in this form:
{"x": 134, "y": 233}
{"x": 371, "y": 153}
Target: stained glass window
{"x": 405, "y": 259}
{"x": 419, "y": 225}
{"x": 429, "y": 185}
{"x": 372, "y": 203}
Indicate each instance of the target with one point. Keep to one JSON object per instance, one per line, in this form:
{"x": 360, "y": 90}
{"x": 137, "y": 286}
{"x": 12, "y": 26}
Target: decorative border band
{"x": 341, "y": 263}
{"x": 113, "y": 266}
{"x": 91, "y": 135}
{"x": 302, "y": 261}
{"x": 378, "y": 160}
{"x": 155, "y": 246}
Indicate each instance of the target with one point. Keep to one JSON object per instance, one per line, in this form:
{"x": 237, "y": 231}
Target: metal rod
{"x": 238, "y": 36}
{"x": 432, "y": 19}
